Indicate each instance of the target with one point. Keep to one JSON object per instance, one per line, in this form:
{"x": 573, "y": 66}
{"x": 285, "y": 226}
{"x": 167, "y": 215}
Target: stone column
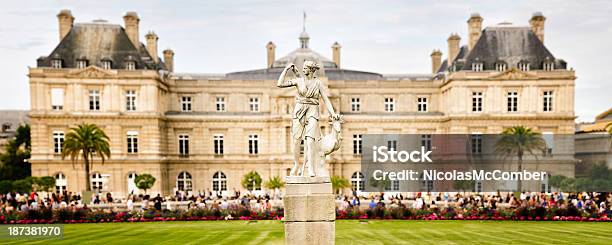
{"x": 310, "y": 211}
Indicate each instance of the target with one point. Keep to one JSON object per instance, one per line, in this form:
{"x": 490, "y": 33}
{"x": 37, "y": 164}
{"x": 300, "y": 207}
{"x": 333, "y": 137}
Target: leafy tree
{"x": 274, "y": 183}
{"x": 13, "y": 163}
{"x": 380, "y": 184}
{"x": 251, "y": 181}
{"x": 609, "y": 127}
{"x": 339, "y": 183}
{"x": 6, "y": 186}
{"x": 22, "y": 185}
{"x": 518, "y": 140}
{"x": 556, "y": 181}
{"x": 464, "y": 185}
{"x": 45, "y": 183}
{"x": 86, "y": 141}
{"x": 144, "y": 182}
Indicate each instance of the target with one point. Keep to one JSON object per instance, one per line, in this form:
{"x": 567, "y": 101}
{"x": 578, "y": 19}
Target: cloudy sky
{"x": 379, "y": 36}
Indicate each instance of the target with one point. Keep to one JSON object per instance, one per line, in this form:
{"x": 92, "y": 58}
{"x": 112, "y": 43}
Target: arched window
{"x": 60, "y": 182}
{"x": 131, "y": 185}
{"x": 183, "y": 181}
{"x": 357, "y": 181}
{"x": 219, "y": 181}
{"x": 97, "y": 182}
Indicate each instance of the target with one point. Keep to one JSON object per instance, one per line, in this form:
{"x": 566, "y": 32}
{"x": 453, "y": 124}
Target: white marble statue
{"x": 305, "y": 124}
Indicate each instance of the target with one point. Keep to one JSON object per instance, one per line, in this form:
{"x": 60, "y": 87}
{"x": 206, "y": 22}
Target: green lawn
{"x": 347, "y": 232}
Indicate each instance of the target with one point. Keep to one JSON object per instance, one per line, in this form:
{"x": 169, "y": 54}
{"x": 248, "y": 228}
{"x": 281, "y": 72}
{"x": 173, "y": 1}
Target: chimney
{"x": 537, "y": 25}
{"x": 336, "y": 53}
{"x": 436, "y": 60}
{"x": 453, "y": 48}
{"x": 65, "y": 20}
{"x": 131, "y": 27}
{"x": 271, "y": 48}
{"x": 169, "y": 59}
{"x": 152, "y": 45}
{"x": 474, "y": 29}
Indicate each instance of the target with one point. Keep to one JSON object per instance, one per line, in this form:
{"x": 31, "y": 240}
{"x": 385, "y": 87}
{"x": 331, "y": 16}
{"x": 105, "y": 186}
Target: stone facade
{"x": 225, "y": 117}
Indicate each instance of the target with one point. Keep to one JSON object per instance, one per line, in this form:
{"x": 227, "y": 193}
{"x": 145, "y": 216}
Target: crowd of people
{"x": 591, "y": 202}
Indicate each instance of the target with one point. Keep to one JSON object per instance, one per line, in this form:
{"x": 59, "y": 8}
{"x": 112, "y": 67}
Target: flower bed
{"x": 521, "y": 214}
{"x": 70, "y": 216}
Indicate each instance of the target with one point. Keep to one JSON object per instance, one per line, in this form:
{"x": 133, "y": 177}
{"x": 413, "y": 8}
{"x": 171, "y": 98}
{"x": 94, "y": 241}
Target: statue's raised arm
{"x": 282, "y": 83}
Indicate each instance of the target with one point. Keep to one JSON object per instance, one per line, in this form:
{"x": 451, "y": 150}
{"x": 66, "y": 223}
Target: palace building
{"x": 198, "y": 132}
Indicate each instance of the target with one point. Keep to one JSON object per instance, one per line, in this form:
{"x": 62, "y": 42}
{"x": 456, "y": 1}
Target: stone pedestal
{"x": 310, "y": 211}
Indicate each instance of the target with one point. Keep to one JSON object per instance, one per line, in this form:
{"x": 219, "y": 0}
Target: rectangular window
{"x": 130, "y": 100}
{"x": 548, "y": 101}
{"x": 254, "y": 104}
{"x": 477, "y": 66}
{"x": 391, "y": 145}
{"x": 389, "y": 105}
{"x": 132, "y": 142}
{"x": 512, "y": 101}
{"x": 57, "y": 64}
{"x": 357, "y": 144}
{"x": 106, "y": 65}
{"x": 549, "y": 66}
{"x": 218, "y": 144}
{"x": 94, "y": 100}
{"x": 57, "y": 99}
{"x": 355, "y": 104}
{"x": 81, "y": 64}
{"x": 130, "y": 65}
{"x": 186, "y": 103}
{"x": 426, "y": 141}
{"x": 253, "y": 144}
{"x": 476, "y": 101}
{"x": 393, "y": 186}
{"x": 184, "y": 145}
{"x": 220, "y": 103}
{"x": 422, "y": 104}
{"x": 476, "y": 143}
{"x": 523, "y": 66}
{"x": 58, "y": 141}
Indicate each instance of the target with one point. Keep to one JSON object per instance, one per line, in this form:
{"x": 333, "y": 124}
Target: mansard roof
{"x": 96, "y": 42}
{"x": 510, "y": 44}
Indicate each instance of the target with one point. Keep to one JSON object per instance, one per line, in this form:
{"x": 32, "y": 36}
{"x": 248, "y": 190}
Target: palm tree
{"x": 339, "y": 183}
{"x": 86, "y": 141}
{"x": 274, "y": 183}
{"x": 518, "y": 140}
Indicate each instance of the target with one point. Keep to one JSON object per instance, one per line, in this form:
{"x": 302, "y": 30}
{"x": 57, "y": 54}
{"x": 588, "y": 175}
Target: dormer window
{"x": 523, "y": 66}
{"x": 106, "y": 64}
{"x": 477, "y": 66}
{"x": 56, "y": 63}
{"x": 548, "y": 66}
{"x": 80, "y": 64}
{"x": 130, "y": 65}
{"x": 501, "y": 66}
